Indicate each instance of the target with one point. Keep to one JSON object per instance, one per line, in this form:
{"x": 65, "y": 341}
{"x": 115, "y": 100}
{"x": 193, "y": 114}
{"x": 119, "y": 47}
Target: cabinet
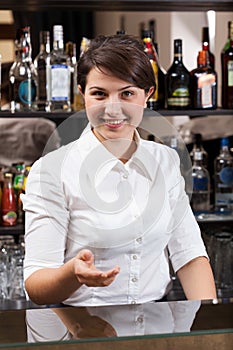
{"x": 104, "y": 5}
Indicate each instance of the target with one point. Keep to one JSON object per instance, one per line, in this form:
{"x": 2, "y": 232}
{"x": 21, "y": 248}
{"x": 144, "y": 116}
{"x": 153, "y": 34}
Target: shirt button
{"x": 133, "y": 302}
{"x": 135, "y": 257}
{"x": 125, "y": 176}
{"x": 134, "y": 279}
{"x": 140, "y": 319}
{"x": 139, "y": 239}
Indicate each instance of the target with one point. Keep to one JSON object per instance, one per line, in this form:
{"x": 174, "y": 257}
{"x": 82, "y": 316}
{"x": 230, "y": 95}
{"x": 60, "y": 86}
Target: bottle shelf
{"x": 124, "y": 5}
{"x": 16, "y": 230}
{"x": 59, "y": 116}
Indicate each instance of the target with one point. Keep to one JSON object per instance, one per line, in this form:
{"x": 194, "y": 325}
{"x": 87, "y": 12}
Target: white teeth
{"x": 114, "y": 122}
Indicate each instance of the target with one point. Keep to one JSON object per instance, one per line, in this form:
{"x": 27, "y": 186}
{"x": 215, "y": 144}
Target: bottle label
{"x": 230, "y": 73}
{"x": 200, "y": 184}
{"x": 27, "y": 91}
{"x": 206, "y": 84}
{"x": 179, "y": 98}
{"x": 60, "y": 82}
{"x": 9, "y": 218}
{"x": 18, "y": 182}
{"x": 226, "y": 176}
{"x": 224, "y": 199}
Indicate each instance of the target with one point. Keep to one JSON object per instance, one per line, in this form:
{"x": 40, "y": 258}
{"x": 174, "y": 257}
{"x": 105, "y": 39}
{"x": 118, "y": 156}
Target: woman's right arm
{"x": 48, "y": 280}
{"x": 54, "y": 285}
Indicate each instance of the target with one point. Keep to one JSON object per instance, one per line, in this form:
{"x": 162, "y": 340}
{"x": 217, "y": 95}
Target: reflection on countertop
{"x": 58, "y": 323}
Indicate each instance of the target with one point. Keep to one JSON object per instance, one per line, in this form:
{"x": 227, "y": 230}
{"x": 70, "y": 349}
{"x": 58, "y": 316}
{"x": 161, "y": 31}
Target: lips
{"x": 114, "y": 123}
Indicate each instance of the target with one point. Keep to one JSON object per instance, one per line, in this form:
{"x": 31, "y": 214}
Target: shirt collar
{"x": 102, "y": 161}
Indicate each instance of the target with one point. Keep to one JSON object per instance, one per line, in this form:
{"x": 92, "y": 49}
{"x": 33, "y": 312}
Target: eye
{"x": 127, "y": 93}
{"x": 98, "y": 93}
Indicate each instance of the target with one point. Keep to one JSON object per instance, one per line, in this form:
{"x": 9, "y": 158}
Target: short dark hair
{"x": 121, "y": 55}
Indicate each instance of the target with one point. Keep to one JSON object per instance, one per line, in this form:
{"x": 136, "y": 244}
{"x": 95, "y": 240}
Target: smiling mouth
{"x": 114, "y": 121}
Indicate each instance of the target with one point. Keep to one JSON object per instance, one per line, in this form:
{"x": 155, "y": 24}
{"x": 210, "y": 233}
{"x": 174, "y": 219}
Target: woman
{"x": 105, "y": 213}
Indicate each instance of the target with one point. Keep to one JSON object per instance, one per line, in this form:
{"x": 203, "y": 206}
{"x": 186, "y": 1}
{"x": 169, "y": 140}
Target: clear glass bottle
{"x": 203, "y": 84}
{"x": 8, "y": 205}
{"x": 153, "y": 102}
{"x": 198, "y": 147}
{"x": 227, "y": 74}
{"x": 71, "y": 53}
{"x": 178, "y": 81}
{"x": 42, "y": 64}
{"x": 206, "y": 46}
{"x": 200, "y": 197}
{"x": 59, "y": 73}
{"x": 22, "y": 75}
{"x": 223, "y": 174}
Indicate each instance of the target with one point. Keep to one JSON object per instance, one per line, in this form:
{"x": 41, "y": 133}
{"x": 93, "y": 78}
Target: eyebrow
{"x": 101, "y": 88}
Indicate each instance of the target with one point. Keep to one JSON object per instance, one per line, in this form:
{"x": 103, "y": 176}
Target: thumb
{"x": 86, "y": 255}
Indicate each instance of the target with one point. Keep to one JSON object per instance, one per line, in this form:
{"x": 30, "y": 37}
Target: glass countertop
{"x": 34, "y": 325}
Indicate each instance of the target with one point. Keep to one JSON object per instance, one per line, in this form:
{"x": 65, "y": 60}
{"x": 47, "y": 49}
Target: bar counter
{"x": 167, "y": 325}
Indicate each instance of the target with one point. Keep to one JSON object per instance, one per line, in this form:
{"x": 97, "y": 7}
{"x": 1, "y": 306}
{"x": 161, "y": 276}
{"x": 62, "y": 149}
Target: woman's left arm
{"x": 197, "y": 279}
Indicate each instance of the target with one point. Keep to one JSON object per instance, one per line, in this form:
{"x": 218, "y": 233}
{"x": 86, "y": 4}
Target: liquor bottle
{"x": 153, "y": 102}
{"x": 71, "y": 53}
{"x": 223, "y": 174}
{"x": 42, "y": 63}
{"x": 203, "y": 84}
{"x": 22, "y": 75}
{"x": 178, "y": 81}
{"x": 227, "y": 74}
{"x": 8, "y": 205}
{"x": 59, "y": 73}
{"x": 18, "y": 182}
{"x": 200, "y": 198}
{"x": 206, "y": 46}
{"x": 161, "y": 70}
{"x": 0, "y": 80}
{"x": 78, "y": 98}
{"x": 227, "y": 44}
{"x": 198, "y": 147}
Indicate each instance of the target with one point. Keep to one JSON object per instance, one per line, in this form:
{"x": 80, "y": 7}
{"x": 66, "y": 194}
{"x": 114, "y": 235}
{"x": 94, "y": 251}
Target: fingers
{"x": 86, "y": 255}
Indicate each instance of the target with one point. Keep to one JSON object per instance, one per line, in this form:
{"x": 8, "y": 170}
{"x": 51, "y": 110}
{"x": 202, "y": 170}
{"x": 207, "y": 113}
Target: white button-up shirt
{"x": 130, "y": 215}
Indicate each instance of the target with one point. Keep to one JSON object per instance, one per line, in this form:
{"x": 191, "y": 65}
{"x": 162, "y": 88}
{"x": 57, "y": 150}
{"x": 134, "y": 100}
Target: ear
{"x": 80, "y": 90}
{"x": 148, "y": 94}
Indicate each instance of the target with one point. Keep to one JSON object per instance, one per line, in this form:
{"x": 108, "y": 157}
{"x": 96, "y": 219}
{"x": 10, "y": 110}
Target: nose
{"x": 113, "y": 107}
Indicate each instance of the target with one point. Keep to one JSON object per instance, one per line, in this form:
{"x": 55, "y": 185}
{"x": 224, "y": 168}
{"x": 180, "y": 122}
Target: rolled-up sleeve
{"x": 186, "y": 242}
{"x": 46, "y": 216}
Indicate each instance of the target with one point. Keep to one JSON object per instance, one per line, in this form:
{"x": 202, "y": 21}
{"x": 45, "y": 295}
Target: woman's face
{"x": 114, "y": 107}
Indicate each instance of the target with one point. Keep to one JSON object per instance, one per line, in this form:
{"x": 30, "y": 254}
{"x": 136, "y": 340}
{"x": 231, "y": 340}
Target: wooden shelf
{"x": 60, "y": 116}
{"x": 124, "y": 5}
{"x": 16, "y": 230}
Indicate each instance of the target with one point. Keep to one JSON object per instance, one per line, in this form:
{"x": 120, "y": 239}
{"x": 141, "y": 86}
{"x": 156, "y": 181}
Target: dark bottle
{"x": 227, "y": 74}
{"x": 198, "y": 147}
{"x": 178, "y": 81}
{"x": 161, "y": 70}
{"x": 42, "y": 63}
{"x": 206, "y": 46}
{"x": 22, "y": 75}
{"x": 153, "y": 102}
{"x": 203, "y": 84}
{"x": 227, "y": 44}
